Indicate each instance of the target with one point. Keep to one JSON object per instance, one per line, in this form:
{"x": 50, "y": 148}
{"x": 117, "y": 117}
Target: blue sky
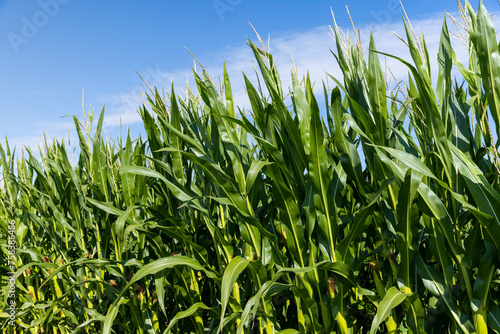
{"x": 54, "y": 50}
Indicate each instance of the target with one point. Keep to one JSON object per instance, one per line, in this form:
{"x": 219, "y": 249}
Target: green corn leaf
{"x": 269, "y": 288}
{"x": 128, "y": 180}
{"x": 228, "y": 93}
{"x": 105, "y": 207}
{"x": 289, "y": 125}
{"x": 378, "y": 94}
{"x": 349, "y": 155}
{"x": 434, "y": 282}
{"x": 254, "y": 171}
{"x": 288, "y": 331}
{"x": 359, "y": 224}
{"x": 189, "y": 312}
{"x": 231, "y": 273}
{"x": 415, "y": 314}
{"x": 406, "y": 237}
{"x": 181, "y": 193}
{"x": 486, "y": 197}
{"x": 111, "y": 315}
{"x": 445, "y": 64}
{"x": 176, "y": 142}
{"x": 480, "y": 292}
{"x": 437, "y": 209}
{"x": 120, "y": 222}
{"x": 393, "y": 297}
{"x": 494, "y": 318}
{"x": 410, "y": 161}
{"x": 98, "y": 130}
{"x": 151, "y": 269}
{"x": 290, "y": 216}
{"x": 312, "y": 136}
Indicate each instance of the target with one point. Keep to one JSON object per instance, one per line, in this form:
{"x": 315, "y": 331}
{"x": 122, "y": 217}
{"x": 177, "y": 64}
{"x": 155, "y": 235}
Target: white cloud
{"x": 311, "y": 53}
{"x": 35, "y": 139}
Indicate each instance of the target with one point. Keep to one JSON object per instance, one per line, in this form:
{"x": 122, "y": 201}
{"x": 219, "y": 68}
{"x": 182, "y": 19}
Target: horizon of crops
{"x": 221, "y": 223}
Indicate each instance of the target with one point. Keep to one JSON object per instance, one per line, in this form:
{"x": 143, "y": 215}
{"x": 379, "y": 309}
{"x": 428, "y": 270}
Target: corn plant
{"x": 378, "y": 212}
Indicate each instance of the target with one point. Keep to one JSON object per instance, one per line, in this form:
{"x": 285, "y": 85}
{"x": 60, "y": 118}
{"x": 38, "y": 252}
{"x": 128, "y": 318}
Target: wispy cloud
{"x": 311, "y": 52}
{"x": 33, "y": 138}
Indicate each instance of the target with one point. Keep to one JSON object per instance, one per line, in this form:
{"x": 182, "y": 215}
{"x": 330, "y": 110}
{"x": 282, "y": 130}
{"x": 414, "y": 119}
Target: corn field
{"x": 378, "y": 214}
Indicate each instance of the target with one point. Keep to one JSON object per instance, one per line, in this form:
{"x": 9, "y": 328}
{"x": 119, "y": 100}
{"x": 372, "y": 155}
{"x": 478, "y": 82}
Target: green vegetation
{"x": 224, "y": 223}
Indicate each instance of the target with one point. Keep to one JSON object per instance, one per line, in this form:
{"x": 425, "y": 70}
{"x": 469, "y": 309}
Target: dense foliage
{"x": 220, "y": 222}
